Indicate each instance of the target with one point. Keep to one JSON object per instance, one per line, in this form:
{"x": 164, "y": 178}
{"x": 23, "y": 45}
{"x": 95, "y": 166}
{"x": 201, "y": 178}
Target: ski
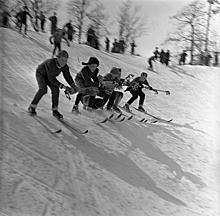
{"x": 130, "y": 112}
{"x": 45, "y": 126}
{"x": 104, "y": 120}
{"x": 70, "y": 126}
{"x": 40, "y": 121}
{"x": 155, "y": 117}
{"x": 117, "y": 120}
{"x": 145, "y": 120}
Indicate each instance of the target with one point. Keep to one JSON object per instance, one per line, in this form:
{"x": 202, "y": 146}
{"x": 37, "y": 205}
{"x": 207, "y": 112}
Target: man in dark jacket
{"x": 23, "y": 19}
{"x": 46, "y": 74}
{"x": 53, "y": 20}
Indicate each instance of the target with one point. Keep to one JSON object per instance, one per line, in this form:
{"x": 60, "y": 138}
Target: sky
{"x": 157, "y": 13}
{"x": 118, "y": 168}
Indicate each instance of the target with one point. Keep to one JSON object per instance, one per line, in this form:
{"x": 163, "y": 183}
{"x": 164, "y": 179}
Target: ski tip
{"x": 58, "y": 131}
{"x": 86, "y": 131}
{"x": 122, "y": 119}
{"x": 142, "y": 119}
{"x": 129, "y": 118}
{"x": 111, "y": 116}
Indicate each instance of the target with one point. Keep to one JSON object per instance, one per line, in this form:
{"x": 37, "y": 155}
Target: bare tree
{"x": 79, "y": 9}
{"x": 189, "y": 28}
{"x": 99, "y": 19}
{"x": 131, "y": 24}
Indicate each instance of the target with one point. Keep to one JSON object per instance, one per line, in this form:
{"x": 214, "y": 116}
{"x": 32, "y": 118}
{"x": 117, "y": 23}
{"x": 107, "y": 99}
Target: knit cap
{"x": 63, "y": 53}
{"x": 115, "y": 71}
{"x": 92, "y": 60}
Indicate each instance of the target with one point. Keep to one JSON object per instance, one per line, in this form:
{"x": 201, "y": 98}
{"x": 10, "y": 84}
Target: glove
{"x": 156, "y": 92}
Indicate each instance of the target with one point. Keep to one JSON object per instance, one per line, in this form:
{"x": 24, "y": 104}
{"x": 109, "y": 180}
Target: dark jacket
{"x": 23, "y": 16}
{"x": 137, "y": 84}
{"x": 88, "y": 78}
{"x": 49, "y": 69}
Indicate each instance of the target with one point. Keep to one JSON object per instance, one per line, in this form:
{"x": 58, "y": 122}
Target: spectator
{"x": 183, "y": 58}
{"x": 70, "y": 30}
{"x": 167, "y": 57}
{"x": 23, "y": 19}
{"x": 107, "y": 41}
{"x": 42, "y": 21}
{"x": 133, "y": 45}
{"x": 162, "y": 57}
{"x": 53, "y": 20}
{"x": 156, "y": 53}
{"x": 5, "y": 16}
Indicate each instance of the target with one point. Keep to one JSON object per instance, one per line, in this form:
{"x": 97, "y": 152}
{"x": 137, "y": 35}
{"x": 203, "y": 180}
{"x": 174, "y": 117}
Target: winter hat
{"x": 115, "y": 71}
{"x": 63, "y": 53}
{"x": 144, "y": 74}
{"x": 92, "y": 60}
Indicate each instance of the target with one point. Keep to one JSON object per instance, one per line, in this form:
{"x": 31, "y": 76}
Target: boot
{"x": 126, "y": 107}
{"x": 32, "y": 111}
{"x": 75, "y": 109}
{"x": 140, "y": 108}
{"x": 57, "y": 114}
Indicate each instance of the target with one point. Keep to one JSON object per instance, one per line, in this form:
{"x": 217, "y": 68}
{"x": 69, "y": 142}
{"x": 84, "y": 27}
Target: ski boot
{"x": 140, "y": 108}
{"x": 75, "y": 109}
{"x": 126, "y": 107}
{"x": 116, "y": 109}
{"x": 32, "y": 111}
{"x": 57, "y": 114}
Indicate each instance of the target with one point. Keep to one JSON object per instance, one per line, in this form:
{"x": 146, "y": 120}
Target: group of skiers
{"x": 94, "y": 90}
{"x": 119, "y": 46}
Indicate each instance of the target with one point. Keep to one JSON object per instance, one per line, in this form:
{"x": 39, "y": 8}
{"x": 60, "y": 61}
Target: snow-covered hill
{"x": 127, "y": 168}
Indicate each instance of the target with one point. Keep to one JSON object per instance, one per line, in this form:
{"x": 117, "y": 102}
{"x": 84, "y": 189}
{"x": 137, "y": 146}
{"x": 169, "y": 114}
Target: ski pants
{"x": 42, "y": 84}
{"x": 25, "y": 27}
{"x": 135, "y": 94}
{"x": 114, "y": 99}
{"x": 56, "y": 45}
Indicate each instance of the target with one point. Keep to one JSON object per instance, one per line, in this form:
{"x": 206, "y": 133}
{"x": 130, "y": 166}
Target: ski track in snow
{"x": 128, "y": 168}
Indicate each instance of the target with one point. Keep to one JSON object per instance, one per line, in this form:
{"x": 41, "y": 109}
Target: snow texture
{"x": 117, "y": 169}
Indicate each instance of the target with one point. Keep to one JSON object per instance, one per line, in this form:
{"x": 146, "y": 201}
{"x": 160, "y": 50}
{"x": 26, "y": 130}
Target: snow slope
{"x": 128, "y": 168}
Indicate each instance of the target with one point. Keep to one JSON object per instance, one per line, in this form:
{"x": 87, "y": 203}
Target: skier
{"x": 111, "y": 81}
{"x": 46, "y": 74}
{"x": 23, "y": 19}
{"x": 150, "y": 60}
{"x": 87, "y": 77}
{"x": 58, "y": 36}
{"x": 53, "y": 20}
{"x": 135, "y": 89}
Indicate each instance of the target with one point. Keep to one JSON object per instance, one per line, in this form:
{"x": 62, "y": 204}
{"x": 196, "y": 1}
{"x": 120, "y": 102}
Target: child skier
{"x": 135, "y": 89}
{"x": 107, "y": 90}
{"x": 58, "y": 36}
{"x": 87, "y": 77}
{"x": 46, "y": 74}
